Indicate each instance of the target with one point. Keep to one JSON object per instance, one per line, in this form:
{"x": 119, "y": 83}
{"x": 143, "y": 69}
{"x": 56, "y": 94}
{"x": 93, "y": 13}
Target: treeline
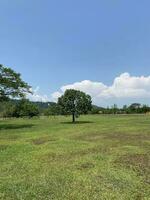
{"x": 26, "y": 108}
{"x": 20, "y": 108}
{"x": 134, "y": 108}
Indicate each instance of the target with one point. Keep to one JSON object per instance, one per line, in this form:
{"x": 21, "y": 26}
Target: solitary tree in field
{"x": 11, "y": 84}
{"x": 75, "y": 102}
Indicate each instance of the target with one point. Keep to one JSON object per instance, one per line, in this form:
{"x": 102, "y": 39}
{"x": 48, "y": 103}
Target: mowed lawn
{"x": 102, "y": 157}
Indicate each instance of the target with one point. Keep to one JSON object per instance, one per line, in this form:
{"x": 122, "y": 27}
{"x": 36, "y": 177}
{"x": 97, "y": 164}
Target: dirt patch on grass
{"x": 86, "y": 165}
{"x": 53, "y": 157}
{"x": 42, "y": 140}
{"x": 128, "y": 139}
{"x": 127, "y": 136}
{"x": 122, "y": 137}
{"x": 60, "y": 157}
{"x": 93, "y": 150}
{"x": 89, "y": 137}
{"x": 140, "y": 163}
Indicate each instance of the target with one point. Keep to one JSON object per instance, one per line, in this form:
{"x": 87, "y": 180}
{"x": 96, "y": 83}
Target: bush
{"x": 25, "y": 108}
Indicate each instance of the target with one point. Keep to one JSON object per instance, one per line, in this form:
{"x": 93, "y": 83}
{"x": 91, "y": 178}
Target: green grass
{"x": 100, "y": 158}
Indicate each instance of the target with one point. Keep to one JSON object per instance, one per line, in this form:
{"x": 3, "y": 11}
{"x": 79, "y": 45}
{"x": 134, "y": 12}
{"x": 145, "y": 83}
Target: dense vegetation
{"x": 11, "y": 84}
{"x": 134, "y": 108}
{"x": 22, "y": 108}
{"x": 100, "y": 157}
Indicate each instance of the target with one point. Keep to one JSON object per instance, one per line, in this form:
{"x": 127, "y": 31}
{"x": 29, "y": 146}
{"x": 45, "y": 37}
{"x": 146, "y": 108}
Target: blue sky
{"x": 53, "y": 43}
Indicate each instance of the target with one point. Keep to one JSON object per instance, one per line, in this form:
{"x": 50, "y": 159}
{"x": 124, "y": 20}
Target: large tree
{"x": 11, "y": 84}
{"x": 74, "y": 102}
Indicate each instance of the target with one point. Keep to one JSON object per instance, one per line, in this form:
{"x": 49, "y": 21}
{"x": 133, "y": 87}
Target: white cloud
{"x": 124, "y": 87}
{"x": 92, "y": 88}
{"x": 56, "y": 95}
{"x": 36, "y": 96}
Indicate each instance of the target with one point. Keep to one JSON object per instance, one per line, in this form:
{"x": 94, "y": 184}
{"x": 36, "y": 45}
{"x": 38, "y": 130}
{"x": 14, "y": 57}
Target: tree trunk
{"x": 73, "y": 117}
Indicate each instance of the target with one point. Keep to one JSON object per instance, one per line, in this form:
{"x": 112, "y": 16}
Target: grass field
{"x": 98, "y": 158}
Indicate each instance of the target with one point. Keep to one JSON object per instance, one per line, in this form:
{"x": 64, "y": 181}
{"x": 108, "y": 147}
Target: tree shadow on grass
{"x": 78, "y": 122}
{"x": 14, "y": 126}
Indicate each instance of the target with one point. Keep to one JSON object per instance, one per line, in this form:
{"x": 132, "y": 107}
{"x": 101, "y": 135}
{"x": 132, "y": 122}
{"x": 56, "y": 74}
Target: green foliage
{"x": 75, "y": 102}
{"x": 21, "y": 108}
{"x": 53, "y": 109}
{"x": 137, "y": 109}
{"x": 7, "y": 109}
{"x": 11, "y": 84}
{"x": 96, "y": 110}
{"x": 134, "y": 108}
{"x": 26, "y": 108}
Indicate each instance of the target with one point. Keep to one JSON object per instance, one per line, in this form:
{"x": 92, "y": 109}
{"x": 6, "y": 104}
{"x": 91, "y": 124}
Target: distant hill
{"x": 41, "y": 105}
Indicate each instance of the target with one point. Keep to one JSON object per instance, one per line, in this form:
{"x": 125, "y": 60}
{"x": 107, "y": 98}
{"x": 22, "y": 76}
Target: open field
{"x": 99, "y": 158}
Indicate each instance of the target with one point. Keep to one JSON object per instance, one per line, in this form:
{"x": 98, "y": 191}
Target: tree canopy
{"x": 26, "y": 108}
{"x": 20, "y": 108}
{"x": 11, "y": 84}
{"x": 75, "y": 102}
{"x": 53, "y": 109}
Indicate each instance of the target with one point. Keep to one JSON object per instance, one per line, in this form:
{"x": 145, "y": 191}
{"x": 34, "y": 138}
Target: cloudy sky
{"x": 101, "y": 47}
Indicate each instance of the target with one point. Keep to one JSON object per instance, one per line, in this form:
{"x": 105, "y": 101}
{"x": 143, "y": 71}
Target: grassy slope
{"x": 107, "y": 158}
